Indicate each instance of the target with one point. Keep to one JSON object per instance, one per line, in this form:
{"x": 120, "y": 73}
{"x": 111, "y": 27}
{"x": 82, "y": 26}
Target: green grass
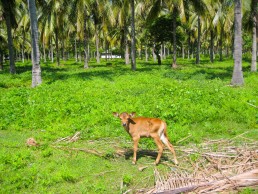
{"x": 194, "y": 100}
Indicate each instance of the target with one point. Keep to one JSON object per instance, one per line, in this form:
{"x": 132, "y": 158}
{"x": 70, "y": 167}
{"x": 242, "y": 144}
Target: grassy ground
{"x": 195, "y": 100}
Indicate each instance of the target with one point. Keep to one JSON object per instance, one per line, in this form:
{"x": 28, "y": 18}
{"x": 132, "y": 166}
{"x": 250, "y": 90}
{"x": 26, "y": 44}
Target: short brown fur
{"x": 146, "y": 127}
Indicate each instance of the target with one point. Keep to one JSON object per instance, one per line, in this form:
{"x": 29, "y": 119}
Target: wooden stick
{"x": 62, "y": 139}
{"x": 184, "y": 139}
{"x": 233, "y": 166}
{"x": 218, "y": 155}
{"x": 80, "y": 149}
{"x": 173, "y": 165}
{"x": 240, "y": 135}
{"x": 102, "y": 173}
{"x": 252, "y": 105}
{"x": 249, "y": 178}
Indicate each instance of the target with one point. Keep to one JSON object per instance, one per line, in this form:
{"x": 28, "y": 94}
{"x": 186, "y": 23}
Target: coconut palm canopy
{"x": 110, "y": 26}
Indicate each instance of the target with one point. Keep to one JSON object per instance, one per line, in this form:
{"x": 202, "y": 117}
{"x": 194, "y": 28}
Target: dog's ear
{"x": 132, "y": 114}
{"x": 116, "y": 114}
{"x": 131, "y": 121}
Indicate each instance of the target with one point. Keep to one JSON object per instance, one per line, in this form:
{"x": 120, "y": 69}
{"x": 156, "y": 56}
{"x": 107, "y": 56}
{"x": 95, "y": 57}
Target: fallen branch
{"x": 246, "y": 179}
{"x": 242, "y": 180}
{"x": 252, "y": 105}
{"x": 80, "y": 149}
{"x": 184, "y": 139}
{"x": 218, "y": 155}
{"x": 142, "y": 168}
{"x": 103, "y": 173}
{"x": 214, "y": 166}
{"x": 69, "y": 139}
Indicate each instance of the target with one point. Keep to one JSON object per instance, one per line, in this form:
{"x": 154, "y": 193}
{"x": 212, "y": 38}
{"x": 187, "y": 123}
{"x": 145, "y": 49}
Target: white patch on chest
{"x": 162, "y": 135}
{"x": 163, "y": 139}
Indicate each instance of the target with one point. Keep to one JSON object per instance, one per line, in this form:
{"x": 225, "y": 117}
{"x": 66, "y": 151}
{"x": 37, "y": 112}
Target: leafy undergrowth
{"x": 93, "y": 166}
{"x": 104, "y": 165}
{"x": 196, "y": 101}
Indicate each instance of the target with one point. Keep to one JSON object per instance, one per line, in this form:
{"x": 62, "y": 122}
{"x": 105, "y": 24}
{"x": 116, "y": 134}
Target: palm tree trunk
{"x": 212, "y": 46}
{"x": 220, "y": 44}
{"x": 198, "y": 41}
{"x": 23, "y": 36}
{"x": 75, "y": 51}
{"x": 153, "y": 54}
{"x": 88, "y": 50}
{"x": 164, "y": 52}
{"x": 254, "y": 46}
{"x": 10, "y": 43}
{"x": 146, "y": 53}
{"x": 156, "y": 51}
{"x": 174, "y": 65}
{"x": 126, "y": 52}
{"x": 189, "y": 45}
{"x": 36, "y": 70}
{"x": 140, "y": 51}
{"x": 57, "y": 48}
{"x": 86, "y": 66}
{"x": 1, "y": 60}
{"x": 183, "y": 51}
{"x": 80, "y": 51}
{"x": 97, "y": 45}
{"x": 161, "y": 52}
{"x": 44, "y": 52}
{"x": 52, "y": 51}
{"x": 232, "y": 43}
{"x": 133, "y": 59}
{"x": 237, "y": 78}
{"x": 62, "y": 49}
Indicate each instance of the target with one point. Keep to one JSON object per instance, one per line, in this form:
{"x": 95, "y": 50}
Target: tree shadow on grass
{"x": 200, "y": 72}
{"x": 107, "y": 72}
{"x": 109, "y": 69}
{"x": 145, "y": 153}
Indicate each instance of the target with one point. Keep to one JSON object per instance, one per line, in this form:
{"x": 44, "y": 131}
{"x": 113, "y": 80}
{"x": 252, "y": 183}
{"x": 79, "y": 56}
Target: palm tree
{"x": 250, "y": 25}
{"x": 174, "y": 65}
{"x": 96, "y": 9}
{"x": 45, "y": 27}
{"x": 36, "y": 70}
{"x": 211, "y": 26}
{"x": 219, "y": 21}
{"x": 156, "y": 9}
{"x": 120, "y": 10}
{"x": 133, "y": 57}
{"x": 190, "y": 30}
{"x": 200, "y": 9}
{"x": 177, "y": 8}
{"x": 85, "y": 39}
{"x": 237, "y": 78}
{"x": 44, "y": 38}
{"x": 223, "y": 22}
{"x": 103, "y": 20}
{"x": 54, "y": 16}
{"x": 141, "y": 12}
{"x": 8, "y": 7}
{"x": 23, "y": 28}
{"x": 254, "y": 45}
{"x": 3, "y": 45}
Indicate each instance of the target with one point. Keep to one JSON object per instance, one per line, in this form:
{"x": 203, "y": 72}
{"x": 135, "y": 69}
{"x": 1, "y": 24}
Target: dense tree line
{"x": 84, "y": 28}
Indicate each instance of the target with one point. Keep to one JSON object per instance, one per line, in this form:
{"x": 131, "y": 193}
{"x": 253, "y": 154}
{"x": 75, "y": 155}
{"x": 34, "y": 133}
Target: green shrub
{"x": 196, "y": 101}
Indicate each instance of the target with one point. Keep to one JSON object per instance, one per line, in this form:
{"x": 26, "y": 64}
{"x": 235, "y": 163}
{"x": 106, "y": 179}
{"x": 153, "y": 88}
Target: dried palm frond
{"x": 218, "y": 166}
